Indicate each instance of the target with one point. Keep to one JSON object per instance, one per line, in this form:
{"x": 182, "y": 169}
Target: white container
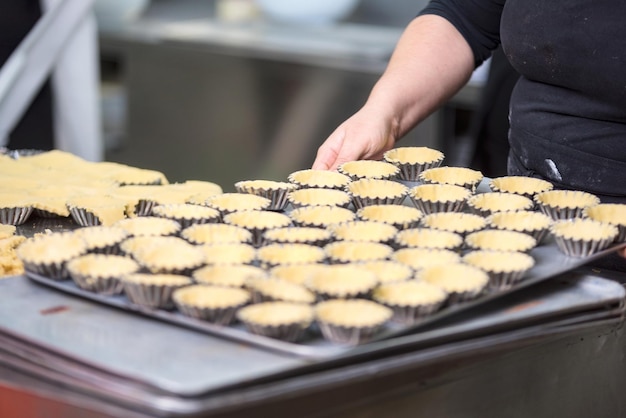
{"x": 307, "y": 12}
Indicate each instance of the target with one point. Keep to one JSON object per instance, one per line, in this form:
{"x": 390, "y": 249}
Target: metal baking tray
{"x": 549, "y": 262}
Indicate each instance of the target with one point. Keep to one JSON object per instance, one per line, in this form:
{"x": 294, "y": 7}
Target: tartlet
{"x": 351, "y": 252}
{"x": 214, "y": 304}
{"x": 364, "y": 231}
{"x": 457, "y": 222}
{"x": 275, "y": 191}
{"x": 102, "y": 239}
{"x": 500, "y": 240}
{"x": 431, "y": 198}
{"x": 318, "y": 197}
{"x": 351, "y": 322}
{"x": 366, "y": 192}
{"x": 50, "y": 202}
{"x": 180, "y": 258}
{"x": 320, "y": 216}
{"x": 257, "y": 222}
{"x": 401, "y": 217}
{"x": 281, "y": 320}
{"x": 583, "y": 237}
{"x": 298, "y": 235}
{"x": 224, "y": 254}
{"x": 210, "y": 234}
{"x": 47, "y": 255}
{"x": 428, "y": 238}
{"x": 484, "y": 204}
{"x": 187, "y": 214}
{"x": 96, "y": 210}
{"x": 148, "y": 226}
{"x": 343, "y": 282}
{"x": 228, "y": 275}
{"x": 505, "y": 268}
{"x": 565, "y": 204}
{"x": 535, "y": 224}
{"x": 100, "y": 273}
{"x": 369, "y": 169}
{"x": 459, "y": 176}
{"x": 388, "y": 271}
{"x": 462, "y": 282}
{"x": 611, "y": 213}
{"x": 273, "y": 289}
{"x": 134, "y": 245}
{"x": 297, "y": 273}
{"x": 410, "y": 301}
{"x": 413, "y": 160}
{"x": 232, "y": 202}
{"x": 153, "y": 290}
{"x": 281, "y": 254}
{"x": 319, "y": 178}
{"x": 419, "y": 258}
{"x": 521, "y": 185}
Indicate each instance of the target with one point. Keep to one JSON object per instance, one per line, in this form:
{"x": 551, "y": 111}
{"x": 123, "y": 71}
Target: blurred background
{"x": 225, "y": 90}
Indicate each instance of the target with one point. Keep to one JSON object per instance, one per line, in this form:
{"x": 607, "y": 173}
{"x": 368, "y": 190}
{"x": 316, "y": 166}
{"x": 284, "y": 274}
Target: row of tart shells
{"x": 217, "y": 297}
{"x": 147, "y": 249}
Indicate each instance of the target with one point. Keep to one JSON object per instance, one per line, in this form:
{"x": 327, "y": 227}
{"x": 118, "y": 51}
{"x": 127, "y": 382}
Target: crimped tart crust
{"x": 402, "y": 217}
{"x": 459, "y": 176}
{"x": 369, "y": 169}
{"x": 228, "y": 275}
{"x": 281, "y": 320}
{"x": 364, "y": 231}
{"x": 319, "y": 178}
{"x": 501, "y": 240}
{"x": 525, "y": 186}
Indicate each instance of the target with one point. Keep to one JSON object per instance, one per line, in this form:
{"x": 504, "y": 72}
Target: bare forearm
{"x": 431, "y": 62}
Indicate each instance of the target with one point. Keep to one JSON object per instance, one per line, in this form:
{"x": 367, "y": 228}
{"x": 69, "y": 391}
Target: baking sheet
{"x": 98, "y": 346}
{"x": 549, "y": 262}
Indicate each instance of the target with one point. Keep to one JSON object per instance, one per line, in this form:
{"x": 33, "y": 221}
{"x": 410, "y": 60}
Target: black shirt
{"x": 568, "y": 110}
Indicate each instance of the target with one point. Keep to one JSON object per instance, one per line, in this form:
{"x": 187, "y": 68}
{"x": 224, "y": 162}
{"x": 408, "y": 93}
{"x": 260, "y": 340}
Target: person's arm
{"x": 431, "y": 62}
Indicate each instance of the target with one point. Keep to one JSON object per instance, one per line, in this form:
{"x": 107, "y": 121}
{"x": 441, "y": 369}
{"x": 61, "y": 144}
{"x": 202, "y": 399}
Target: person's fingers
{"x": 328, "y": 152}
{"x": 623, "y": 252}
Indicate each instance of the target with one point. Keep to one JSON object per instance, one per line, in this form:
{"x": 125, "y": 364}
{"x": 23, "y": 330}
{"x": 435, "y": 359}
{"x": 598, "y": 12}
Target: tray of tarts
{"x": 312, "y": 266}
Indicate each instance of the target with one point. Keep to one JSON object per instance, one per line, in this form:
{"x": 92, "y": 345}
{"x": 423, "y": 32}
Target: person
{"x": 489, "y": 124}
{"x": 566, "y": 113}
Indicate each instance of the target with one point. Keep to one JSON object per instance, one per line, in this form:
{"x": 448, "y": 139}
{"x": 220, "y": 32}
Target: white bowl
{"x": 311, "y": 12}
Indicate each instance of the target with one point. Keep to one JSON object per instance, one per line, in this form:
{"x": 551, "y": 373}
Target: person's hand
{"x": 622, "y": 252}
{"x": 365, "y": 135}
